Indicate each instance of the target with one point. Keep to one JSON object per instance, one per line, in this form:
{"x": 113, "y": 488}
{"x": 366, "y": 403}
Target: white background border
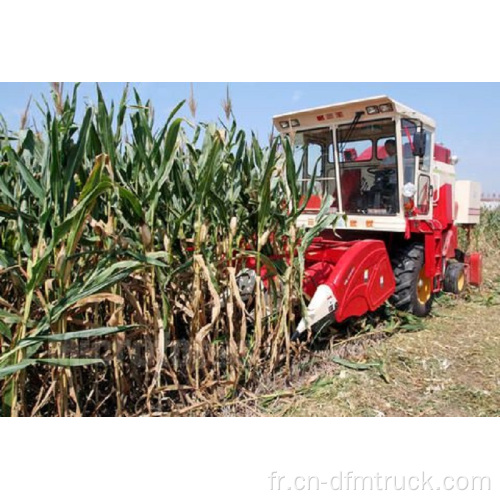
{"x": 254, "y": 40}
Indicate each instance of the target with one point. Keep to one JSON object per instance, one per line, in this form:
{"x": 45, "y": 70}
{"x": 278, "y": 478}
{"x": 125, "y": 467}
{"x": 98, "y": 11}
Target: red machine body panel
{"x": 442, "y": 154}
{"x": 359, "y": 273}
{"x": 475, "y": 268}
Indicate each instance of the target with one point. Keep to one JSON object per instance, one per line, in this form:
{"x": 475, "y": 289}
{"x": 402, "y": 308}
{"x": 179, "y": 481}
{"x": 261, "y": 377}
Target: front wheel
{"x": 413, "y": 292}
{"x": 454, "y": 278}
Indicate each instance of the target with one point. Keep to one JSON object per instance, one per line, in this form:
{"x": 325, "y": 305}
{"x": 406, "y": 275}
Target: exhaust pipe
{"x": 320, "y": 311}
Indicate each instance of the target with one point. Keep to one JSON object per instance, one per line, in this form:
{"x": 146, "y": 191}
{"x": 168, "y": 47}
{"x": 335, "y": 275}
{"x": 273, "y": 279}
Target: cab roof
{"x": 372, "y": 108}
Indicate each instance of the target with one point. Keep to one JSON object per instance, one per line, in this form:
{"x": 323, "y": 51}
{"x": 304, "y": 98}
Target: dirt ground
{"x": 448, "y": 366}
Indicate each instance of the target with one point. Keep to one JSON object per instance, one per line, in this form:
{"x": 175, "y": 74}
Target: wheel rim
{"x": 461, "y": 282}
{"x": 424, "y": 288}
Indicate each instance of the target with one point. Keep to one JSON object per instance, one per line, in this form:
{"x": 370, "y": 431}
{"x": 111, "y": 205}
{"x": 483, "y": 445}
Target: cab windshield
{"x": 368, "y": 168}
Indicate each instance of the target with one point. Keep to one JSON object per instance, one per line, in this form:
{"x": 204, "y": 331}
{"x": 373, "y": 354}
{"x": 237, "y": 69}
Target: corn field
{"x": 487, "y": 235}
{"x": 124, "y": 245}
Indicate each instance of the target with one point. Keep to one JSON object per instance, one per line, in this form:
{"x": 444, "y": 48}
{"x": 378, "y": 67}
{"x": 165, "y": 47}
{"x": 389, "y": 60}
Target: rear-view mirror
{"x": 419, "y": 144}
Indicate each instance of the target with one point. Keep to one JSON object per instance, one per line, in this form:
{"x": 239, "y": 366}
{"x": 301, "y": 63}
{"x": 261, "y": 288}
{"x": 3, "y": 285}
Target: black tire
{"x": 454, "y": 278}
{"x": 413, "y": 292}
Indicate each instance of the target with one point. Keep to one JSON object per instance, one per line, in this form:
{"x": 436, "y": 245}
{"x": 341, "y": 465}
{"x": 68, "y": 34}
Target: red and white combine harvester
{"x": 399, "y": 208}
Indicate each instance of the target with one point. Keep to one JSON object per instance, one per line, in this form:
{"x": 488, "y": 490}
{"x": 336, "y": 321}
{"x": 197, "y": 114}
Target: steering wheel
{"x": 377, "y": 171}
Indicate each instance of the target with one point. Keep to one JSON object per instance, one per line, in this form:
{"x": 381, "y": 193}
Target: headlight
{"x": 386, "y": 108}
{"x": 409, "y": 190}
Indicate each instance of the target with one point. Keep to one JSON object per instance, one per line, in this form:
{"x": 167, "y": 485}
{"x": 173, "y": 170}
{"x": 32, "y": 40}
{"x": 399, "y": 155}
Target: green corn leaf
{"x": 5, "y": 371}
{"x": 62, "y": 362}
{"x": 32, "y": 184}
{"x": 5, "y": 330}
{"x": 39, "y": 268}
{"x": 379, "y": 366}
{"x": 9, "y": 318}
{"x": 33, "y": 342}
{"x": 7, "y": 192}
{"x": 70, "y": 362}
{"x": 85, "y": 334}
{"x": 354, "y": 366}
{"x": 167, "y": 161}
{"x": 175, "y": 111}
{"x": 78, "y": 153}
{"x": 133, "y": 201}
{"x": 97, "y": 281}
{"x": 11, "y": 213}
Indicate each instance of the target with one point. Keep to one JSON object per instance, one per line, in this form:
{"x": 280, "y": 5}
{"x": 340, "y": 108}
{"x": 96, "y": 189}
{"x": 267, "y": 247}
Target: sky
{"x": 467, "y": 114}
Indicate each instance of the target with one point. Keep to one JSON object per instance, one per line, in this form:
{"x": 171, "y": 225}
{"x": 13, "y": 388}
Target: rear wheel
{"x": 413, "y": 292}
{"x": 454, "y": 278}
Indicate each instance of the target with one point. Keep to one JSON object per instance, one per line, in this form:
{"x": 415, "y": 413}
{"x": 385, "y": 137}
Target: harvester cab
{"x": 399, "y": 208}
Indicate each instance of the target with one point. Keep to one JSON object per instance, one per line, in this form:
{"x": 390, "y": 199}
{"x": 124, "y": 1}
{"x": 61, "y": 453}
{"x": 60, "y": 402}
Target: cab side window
{"x": 425, "y": 162}
{"x": 408, "y": 129}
